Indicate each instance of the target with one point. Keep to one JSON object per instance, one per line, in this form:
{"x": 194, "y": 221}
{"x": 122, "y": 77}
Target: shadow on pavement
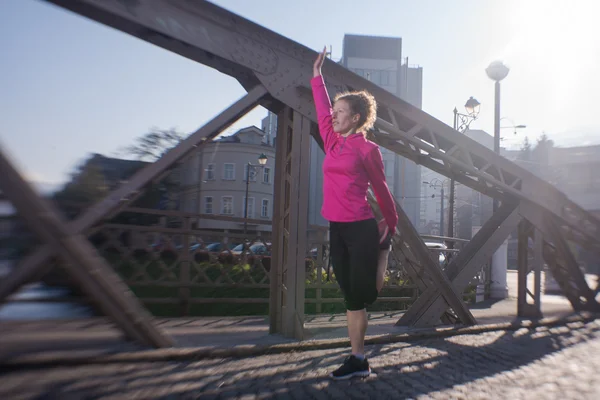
{"x": 403, "y": 370}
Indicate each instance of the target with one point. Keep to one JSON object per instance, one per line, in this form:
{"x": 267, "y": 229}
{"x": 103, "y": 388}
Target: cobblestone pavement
{"x": 546, "y": 363}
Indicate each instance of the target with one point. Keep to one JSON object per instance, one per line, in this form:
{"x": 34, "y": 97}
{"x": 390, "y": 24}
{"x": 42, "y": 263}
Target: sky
{"x": 70, "y": 86}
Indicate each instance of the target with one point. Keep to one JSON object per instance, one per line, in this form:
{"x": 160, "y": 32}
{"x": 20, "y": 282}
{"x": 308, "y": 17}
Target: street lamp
{"x": 462, "y": 121}
{"x": 461, "y": 124}
{"x": 262, "y": 160}
{"x": 497, "y": 71}
{"x": 433, "y": 183}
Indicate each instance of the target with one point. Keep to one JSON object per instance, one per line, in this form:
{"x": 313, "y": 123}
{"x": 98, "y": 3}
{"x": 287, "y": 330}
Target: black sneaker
{"x": 351, "y": 367}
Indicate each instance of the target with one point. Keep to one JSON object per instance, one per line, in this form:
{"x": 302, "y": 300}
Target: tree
{"x": 542, "y": 149}
{"x": 153, "y": 145}
{"x": 525, "y": 153}
{"x": 87, "y": 186}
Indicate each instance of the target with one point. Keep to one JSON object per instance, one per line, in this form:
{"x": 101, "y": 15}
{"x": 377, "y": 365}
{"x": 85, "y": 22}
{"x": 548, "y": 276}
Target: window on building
{"x": 229, "y": 171}
{"x": 210, "y": 172}
{"x": 266, "y": 175}
{"x": 264, "y": 212}
{"x": 385, "y": 77}
{"x": 208, "y": 205}
{"x": 250, "y": 206}
{"x": 375, "y": 77}
{"x": 227, "y": 205}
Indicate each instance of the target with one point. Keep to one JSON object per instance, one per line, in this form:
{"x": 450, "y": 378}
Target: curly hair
{"x": 362, "y": 103}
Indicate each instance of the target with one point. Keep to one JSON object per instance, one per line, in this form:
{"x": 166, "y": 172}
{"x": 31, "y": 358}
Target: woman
{"x": 352, "y": 163}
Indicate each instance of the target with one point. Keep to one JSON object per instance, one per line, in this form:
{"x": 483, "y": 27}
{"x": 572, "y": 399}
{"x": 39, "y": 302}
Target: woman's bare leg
{"x": 382, "y": 264}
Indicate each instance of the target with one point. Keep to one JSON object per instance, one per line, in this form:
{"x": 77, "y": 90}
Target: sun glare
{"x": 558, "y": 42}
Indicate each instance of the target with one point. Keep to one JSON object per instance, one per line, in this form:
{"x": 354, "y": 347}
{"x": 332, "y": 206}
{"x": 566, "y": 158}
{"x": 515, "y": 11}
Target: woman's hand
{"x": 384, "y": 230}
{"x": 319, "y": 62}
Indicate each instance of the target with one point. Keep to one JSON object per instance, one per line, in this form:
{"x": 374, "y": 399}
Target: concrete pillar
{"x": 499, "y": 287}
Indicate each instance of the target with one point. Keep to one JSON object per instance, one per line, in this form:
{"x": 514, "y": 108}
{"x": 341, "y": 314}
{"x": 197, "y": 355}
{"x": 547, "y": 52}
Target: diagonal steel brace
{"x": 430, "y": 306}
{"x": 430, "y": 276}
{"x": 34, "y": 264}
{"x": 82, "y": 261}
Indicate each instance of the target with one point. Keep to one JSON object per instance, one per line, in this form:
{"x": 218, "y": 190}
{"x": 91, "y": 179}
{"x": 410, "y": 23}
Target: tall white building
{"x": 379, "y": 59}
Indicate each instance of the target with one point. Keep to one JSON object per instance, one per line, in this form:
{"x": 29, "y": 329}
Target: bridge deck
{"x": 98, "y": 336}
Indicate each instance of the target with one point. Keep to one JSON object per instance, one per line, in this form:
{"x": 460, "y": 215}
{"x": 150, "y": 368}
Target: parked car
{"x": 438, "y": 248}
{"x": 215, "y": 249}
{"x": 255, "y": 252}
{"x": 234, "y": 255}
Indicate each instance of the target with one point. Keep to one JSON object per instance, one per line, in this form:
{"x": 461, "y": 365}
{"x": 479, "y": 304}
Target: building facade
{"x": 213, "y": 181}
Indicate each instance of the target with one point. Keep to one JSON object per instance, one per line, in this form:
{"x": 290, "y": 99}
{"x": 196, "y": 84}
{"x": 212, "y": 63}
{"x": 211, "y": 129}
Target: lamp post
{"x": 497, "y": 71}
{"x": 262, "y": 160}
{"x": 434, "y": 184}
{"x": 461, "y": 124}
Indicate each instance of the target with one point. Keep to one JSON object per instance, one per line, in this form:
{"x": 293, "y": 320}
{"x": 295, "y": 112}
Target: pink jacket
{"x": 350, "y": 164}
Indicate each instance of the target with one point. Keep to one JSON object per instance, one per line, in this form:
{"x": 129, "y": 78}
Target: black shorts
{"x": 354, "y": 249}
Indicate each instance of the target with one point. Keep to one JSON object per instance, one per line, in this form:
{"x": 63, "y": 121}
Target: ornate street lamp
{"x": 461, "y": 124}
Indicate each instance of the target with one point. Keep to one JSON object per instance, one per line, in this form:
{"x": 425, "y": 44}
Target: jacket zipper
{"x": 342, "y": 146}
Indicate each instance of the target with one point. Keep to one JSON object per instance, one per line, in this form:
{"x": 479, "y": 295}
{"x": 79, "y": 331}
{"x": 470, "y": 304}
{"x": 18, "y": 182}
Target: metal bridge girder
{"x": 216, "y": 37}
{"x": 210, "y": 35}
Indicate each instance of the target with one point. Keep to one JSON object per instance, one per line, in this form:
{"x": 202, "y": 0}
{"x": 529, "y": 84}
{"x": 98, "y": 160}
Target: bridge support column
{"x": 290, "y": 225}
{"x": 560, "y": 260}
{"x": 499, "y": 286}
{"x": 529, "y": 248}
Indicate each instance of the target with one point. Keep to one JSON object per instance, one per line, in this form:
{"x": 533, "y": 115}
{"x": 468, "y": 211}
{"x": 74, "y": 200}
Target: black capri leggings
{"x": 354, "y": 256}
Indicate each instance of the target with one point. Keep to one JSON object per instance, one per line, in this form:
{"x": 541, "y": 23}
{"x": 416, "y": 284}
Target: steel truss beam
{"x": 430, "y": 306}
{"x": 529, "y": 235}
{"x": 290, "y": 224}
{"x": 208, "y": 34}
{"x": 560, "y": 260}
{"x": 36, "y": 264}
{"x": 81, "y": 260}
{"x": 419, "y": 263}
